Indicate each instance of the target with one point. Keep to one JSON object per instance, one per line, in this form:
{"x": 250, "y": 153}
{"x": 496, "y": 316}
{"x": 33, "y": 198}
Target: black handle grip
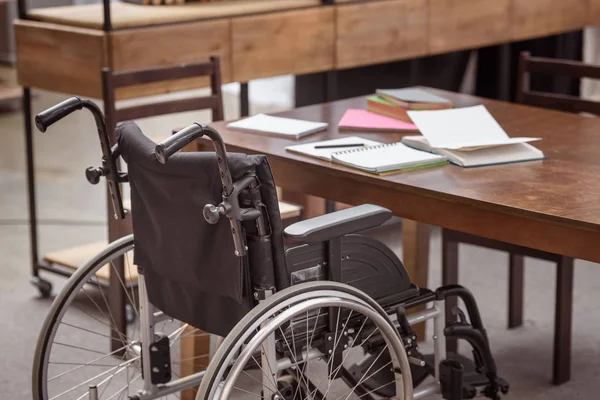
{"x": 46, "y": 118}
{"x": 174, "y": 143}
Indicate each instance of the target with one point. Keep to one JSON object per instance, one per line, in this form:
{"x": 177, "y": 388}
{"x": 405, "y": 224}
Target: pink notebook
{"x": 366, "y": 121}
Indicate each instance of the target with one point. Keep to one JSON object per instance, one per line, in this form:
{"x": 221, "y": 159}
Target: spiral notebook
{"x": 386, "y": 158}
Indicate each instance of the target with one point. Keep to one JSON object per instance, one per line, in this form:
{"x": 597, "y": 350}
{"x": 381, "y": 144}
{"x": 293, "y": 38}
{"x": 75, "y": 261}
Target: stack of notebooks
{"x": 468, "y": 137}
{"x": 395, "y": 103}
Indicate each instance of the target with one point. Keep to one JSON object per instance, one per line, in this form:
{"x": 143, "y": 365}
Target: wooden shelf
{"x": 9, "y": 93}
{"x": 75, "y": 257}
{"x": 289, "y": 210}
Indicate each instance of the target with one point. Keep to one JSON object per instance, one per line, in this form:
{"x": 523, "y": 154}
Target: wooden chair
{"x": 115, "y": 80}
{"x": 564, "y": 276}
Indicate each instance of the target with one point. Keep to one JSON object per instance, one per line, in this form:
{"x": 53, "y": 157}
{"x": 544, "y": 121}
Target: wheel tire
{"x": 265, "y": 307}
{"x": 56, "y": 310}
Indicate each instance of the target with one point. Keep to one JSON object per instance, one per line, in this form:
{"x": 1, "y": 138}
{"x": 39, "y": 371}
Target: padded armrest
{"x": 337, "y": 224}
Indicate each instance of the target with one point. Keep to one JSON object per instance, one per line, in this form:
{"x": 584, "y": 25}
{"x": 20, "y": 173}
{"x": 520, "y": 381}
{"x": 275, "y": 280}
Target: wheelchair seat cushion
{"x": 190, "y": 268}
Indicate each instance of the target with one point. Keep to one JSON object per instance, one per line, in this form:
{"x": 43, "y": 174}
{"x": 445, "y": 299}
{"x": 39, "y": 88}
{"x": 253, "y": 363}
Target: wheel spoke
{"x": 93, "y": 378}
{"x": 124, "y": 288}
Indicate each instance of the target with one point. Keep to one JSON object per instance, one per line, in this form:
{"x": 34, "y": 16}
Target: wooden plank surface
{"x": 181, "y": 43}
{"x": 538, "y": 18}
{"x": 127, "y": 15}
{"x": 593, "y": 12}
{"x": 9, "y": 93}
{"x": 464, "y": 24}
{"x": 75, "y": 257}
{"x": 284, "y": 43}
{"x": 302, "y": 40}
{"x": 195, "y": 350}
{"x": 60, "y": 58}
{"x": 380, "y": 31}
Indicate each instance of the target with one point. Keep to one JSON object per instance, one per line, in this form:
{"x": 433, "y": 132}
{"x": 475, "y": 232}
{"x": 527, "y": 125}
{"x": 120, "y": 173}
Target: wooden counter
{"x": 54, "y": 53}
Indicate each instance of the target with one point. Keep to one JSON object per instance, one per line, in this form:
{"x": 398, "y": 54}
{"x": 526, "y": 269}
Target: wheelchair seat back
{"x": 190, "y": 267}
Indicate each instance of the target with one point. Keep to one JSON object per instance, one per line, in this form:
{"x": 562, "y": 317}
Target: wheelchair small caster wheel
{"x": 43, "y": 286}
{"x": 129, "y": 314}
{"x": 287, "y": 388}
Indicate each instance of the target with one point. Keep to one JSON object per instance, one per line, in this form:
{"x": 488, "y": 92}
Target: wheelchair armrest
{"x": 337, "y": 224}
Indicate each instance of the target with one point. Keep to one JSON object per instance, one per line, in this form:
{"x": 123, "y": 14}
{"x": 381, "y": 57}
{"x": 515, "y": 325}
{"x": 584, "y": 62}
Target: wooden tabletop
{"x": 551, "y": 205}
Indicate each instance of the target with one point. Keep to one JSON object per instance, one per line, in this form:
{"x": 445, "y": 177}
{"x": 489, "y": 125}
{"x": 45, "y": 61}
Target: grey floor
{"x": 72, "y": 212}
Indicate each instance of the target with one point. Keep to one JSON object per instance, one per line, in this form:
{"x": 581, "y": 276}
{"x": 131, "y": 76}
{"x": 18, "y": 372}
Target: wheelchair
{"x": 325, "y": 318}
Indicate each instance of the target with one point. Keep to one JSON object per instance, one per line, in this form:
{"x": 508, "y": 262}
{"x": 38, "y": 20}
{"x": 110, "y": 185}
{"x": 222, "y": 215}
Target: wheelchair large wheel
{"x": 76, "y": 350}
{"x": 284, "y": 349}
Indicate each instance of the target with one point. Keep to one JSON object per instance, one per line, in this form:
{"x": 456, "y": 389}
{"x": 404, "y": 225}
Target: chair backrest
{"x": 111, "y": 81}
{"x": 554, "y": 67}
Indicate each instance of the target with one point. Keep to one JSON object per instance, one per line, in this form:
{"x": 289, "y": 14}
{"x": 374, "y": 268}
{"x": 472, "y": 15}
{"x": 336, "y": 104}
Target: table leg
{"x": 244, "y": 100}
{"x": 563, "y": 320}
{"x": 450, "y": 277}
{"x": 516, "y": 279}
{"x": 415, "y": 249}
{"x": 194, "y": 347}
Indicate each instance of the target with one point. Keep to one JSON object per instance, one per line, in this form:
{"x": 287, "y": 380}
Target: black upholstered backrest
{"x": 190, "y": 267}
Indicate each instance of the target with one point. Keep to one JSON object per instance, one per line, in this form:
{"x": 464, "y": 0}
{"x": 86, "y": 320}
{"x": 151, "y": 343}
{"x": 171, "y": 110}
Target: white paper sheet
{"x": 285, "y": 127}
{"x": 465, "y": 128}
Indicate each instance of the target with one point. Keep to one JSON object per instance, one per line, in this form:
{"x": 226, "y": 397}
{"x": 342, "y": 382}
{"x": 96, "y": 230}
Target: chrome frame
{"x": 269, "y": 362}
{"x": 148, "y": 317}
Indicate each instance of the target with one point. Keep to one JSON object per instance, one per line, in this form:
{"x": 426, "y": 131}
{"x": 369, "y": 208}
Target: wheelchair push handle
{"x": 109, "y": 155}
{"x": 164, "y": 150}
{"x": 55, "y": 113}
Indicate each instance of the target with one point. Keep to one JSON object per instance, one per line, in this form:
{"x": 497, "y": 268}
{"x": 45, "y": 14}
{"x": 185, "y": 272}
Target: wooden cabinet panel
{"x": 594, "y": 12}
{"x": 293, "y": 42}
{"x": 465, "y": 24}
{"x": 545, "y": 17}
{"x": 60, "y": 58}
{"x": 380, "y": 31}
{"x": 170, "y": 45}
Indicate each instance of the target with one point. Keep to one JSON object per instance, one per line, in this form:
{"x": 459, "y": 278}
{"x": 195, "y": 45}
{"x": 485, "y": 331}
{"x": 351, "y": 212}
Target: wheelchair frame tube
{"x": 146, "y": 334}
{"x": 439, "y": 339}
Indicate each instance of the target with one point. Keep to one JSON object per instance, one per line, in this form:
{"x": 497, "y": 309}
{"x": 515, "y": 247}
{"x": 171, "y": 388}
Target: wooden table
{"x": 551, "y": 205}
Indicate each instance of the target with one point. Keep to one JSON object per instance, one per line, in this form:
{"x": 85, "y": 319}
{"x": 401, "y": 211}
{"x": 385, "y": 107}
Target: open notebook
{"x": 478, "y": 157}
{"x": 310, "y": 149}
{"x": 386, "y": 158}
{"x": 469, "y": 137}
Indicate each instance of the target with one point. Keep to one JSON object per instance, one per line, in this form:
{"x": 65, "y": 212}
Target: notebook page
{"x": 386, "y": 157}
{"x": 325, "y": 154}
{"x": 462, "y": 128}
{"x": 496, "y": 155}
{"x": 277, "y": 125}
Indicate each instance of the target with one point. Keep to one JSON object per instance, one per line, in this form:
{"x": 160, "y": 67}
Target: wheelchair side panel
{"x": 367, "y": 264}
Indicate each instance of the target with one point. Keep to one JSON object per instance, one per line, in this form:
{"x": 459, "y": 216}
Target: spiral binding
{"x": 367, "y": 148}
